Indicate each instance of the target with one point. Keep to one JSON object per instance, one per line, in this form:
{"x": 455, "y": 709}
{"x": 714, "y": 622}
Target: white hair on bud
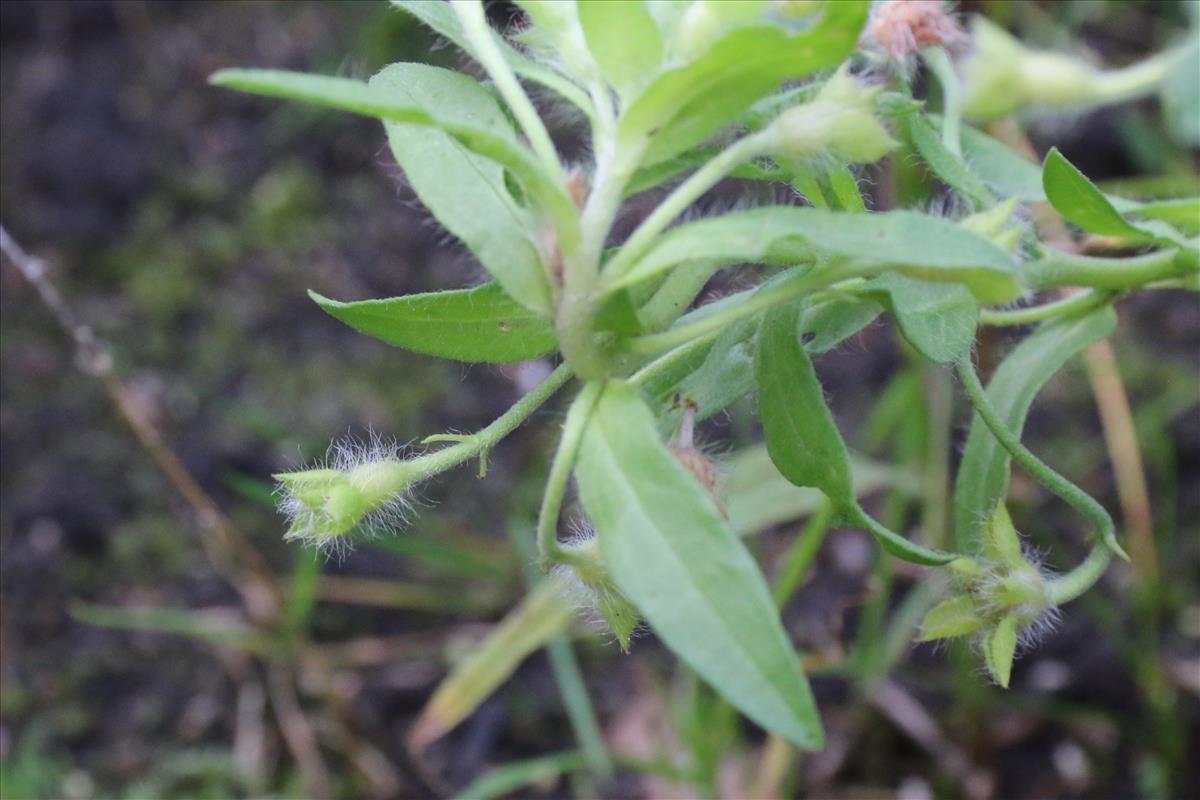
{"x": 395, "y": 513}
{"x": 583, "y": 598}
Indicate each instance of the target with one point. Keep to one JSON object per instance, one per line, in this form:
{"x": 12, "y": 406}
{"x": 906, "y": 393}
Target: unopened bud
{"x": 839, "y": 121}
{"x": 367, "y": 486}
{"x": 596, "y": 590}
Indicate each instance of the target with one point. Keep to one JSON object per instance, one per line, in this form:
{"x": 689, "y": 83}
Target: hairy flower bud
{"x": 595, "y": 590}
{"x": 1003, "y": 599}
{"x": 366, "y": 486}
{"x": 839, "y": 121}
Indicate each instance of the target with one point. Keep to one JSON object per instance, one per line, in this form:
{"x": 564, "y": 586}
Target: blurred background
{"x": 151, "y": 647}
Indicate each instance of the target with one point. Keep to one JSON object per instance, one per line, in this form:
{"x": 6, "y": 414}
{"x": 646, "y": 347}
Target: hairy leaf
{"x": 802, "y": 437}
{"x": 950, "y": 618}
{"x": 465, "y": 191}
{"x": 984, "y": 471}
{"x": 1006, "y": 171}
{"x": 624, "y": 41}
{"x": 673, "y": 555}
{"x": 688, "y": 104}
{"x": 916, "y": 244}
{"x": 480, "y": 134}
{"x": 439, "y": 16}
{"x": 999, "y": 647}
{"x": 950, "y": 168}
{"x": 938, "y": 319}
{"x": 480, "y": 324}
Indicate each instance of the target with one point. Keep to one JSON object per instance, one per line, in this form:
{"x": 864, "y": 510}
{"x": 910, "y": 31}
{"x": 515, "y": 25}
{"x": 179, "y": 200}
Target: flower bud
{"x": 595, "y": 590}
{"x": 1002, "y": 75}
{"x": 994, "y": 225}
{"x": 367, "y": 486}
{"x": 839, "y": 121}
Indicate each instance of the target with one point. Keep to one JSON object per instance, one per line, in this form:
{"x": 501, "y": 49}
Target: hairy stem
{"x": 479, "y": 443}
{"x": 1087, "y": 573}
{"x": 1057, "y": 268}
{"x": 479, "y": 34}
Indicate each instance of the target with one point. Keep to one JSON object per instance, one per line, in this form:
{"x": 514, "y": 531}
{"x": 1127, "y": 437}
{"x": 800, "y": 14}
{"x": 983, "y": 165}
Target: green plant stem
{"x": 1078, "y": 580}
{"x": 1056, "y": 268}
{"x": 798, "y": 285}
{"x": 480, "y": 442}
{"x": 1074, "y": 305}
{"x": 942, "y": 68}
{"x": 479, "y": 34}
{"x": 684, "y": 195}
{"x": 549, "y": 550}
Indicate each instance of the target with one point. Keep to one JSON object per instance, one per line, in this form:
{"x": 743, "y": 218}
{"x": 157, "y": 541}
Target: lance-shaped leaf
{"x": 802, "y": 437}
{"x": 686, "y": 105}
{"x": 1080, "y": 202}
{"x": 543, "y": 614}
{"x": 673, "y": 555}
{"x": 480, "y": 128}
{"x": 480, "y": 324}
{"x": 624, "y": 41}
{"x": 999, "y": 648}
{"x": 439, "y": 16}
{"x": 950, "y": 618}
{"x": 938, "y": 319}
{"x": 915, "y": 244}
{"x": 984, "y": 471}
{"x": 950, "y": 168}
{"x": 465, "y": 191}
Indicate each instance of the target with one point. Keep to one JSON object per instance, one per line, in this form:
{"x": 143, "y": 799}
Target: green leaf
{"x": 802, "y": 437}
{"x": 984, "y": 471}
{"x": 938, "y": 319}
{"x": 673, "y": 555}
{"x": 725, "y": 375}
{"x": 950, "y": 168}
{"x": 686, "y": 105}
{"x": 826, "y": 323}
{"x": 439, "y": 16}
{"x": 465, "y": 191}
{"x": 999, "y": 647}
{"x": 1080, "y": 202}
{"x": 950, "y": 618}
{"x": 543, "y": 614}
{"x": 916, "y": 244}
{"x": 480, "y": 324}
{"x": 1001, "y": 542}
{"x": 624, "y": 40}
{"x": 478, "y": 130}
